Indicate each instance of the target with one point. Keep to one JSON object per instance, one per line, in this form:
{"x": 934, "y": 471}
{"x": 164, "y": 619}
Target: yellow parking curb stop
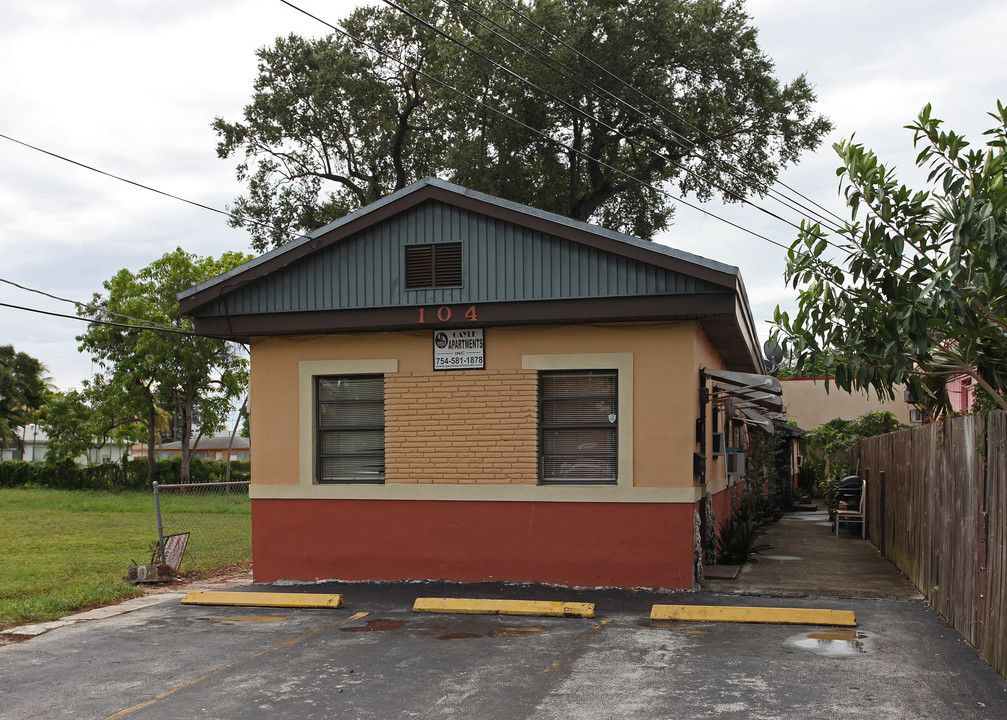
{"x": 504, "y": 607}
{"x": 789, "y": 616}
{"x": 262, "y": 599}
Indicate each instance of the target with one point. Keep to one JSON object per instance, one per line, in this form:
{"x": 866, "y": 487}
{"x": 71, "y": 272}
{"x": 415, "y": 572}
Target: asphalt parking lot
{"x": 375, "y": 658}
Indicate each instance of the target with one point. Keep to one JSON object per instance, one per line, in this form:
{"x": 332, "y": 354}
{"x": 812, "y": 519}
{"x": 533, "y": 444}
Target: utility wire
{"x": 148, "y": 323}
{"x": 503, "y": 114}
{"x": 535, "y": 86}
{"x": 160, "y": 328}
{"x": 568, "y": 73}
{"x": 229, "y": 214}
{"x": 127, "y": 326}
{"x": 403, "y": 64}
{"x": 649, "y": 99}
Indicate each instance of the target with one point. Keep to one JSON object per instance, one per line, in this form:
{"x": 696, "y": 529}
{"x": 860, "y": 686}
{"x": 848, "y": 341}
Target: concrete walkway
{"x": 807, "y": 558}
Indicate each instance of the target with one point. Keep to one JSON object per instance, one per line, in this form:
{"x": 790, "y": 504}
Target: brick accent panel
{"x": 468, "y": 426}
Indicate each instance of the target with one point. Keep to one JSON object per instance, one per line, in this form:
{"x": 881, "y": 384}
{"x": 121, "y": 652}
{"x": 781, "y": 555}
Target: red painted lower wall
{"x": 724, "y": 501}
{"x": 577, "y": 544}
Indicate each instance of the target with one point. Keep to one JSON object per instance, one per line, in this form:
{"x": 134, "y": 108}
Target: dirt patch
{"x": 233, "y": 576}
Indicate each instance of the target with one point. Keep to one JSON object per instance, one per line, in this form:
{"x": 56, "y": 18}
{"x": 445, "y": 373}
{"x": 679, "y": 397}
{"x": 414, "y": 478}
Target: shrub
{"x": 746, "y": 524}
{"x": 128, "y": 475}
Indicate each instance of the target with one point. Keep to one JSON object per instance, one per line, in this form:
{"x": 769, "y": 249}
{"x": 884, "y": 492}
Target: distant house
{"x": 961, "y": 393}
{"x": 35, "y": 444}
{"x": 810, "y": 406}
{"x": 446, "y": 385}
{"x": 205, "y": 448}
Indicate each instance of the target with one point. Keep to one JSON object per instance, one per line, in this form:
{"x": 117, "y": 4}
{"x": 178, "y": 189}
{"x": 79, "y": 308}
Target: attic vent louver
{"x": 433, "y": 266}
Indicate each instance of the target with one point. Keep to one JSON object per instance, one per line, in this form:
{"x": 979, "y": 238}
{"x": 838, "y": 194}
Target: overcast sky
{"x": 131, "y": 87}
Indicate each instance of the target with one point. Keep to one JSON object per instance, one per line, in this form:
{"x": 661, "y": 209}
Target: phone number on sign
{"x": 458, "y": 361}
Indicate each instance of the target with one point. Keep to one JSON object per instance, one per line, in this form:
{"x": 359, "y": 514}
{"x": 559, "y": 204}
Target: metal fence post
{"x": 160, "y": 528}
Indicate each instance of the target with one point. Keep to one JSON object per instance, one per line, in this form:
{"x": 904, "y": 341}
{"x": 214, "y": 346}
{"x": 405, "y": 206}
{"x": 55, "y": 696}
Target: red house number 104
{"x": 444, "y": 314}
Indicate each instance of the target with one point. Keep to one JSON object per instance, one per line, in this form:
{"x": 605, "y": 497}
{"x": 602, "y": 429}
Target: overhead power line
{"x": 94, "y": 321}
{"x": 566, "y": 72}
{"x": 503, "y": 114}
{"x": 50, "y": 153}
{"x": 573, "y": 108}
{"x": 147, "y": 324}
{"x": 652, "y": 100}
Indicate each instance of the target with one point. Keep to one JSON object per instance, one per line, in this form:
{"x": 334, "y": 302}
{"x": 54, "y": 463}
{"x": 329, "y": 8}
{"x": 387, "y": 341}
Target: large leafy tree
{"x": 24, "y": 386}
{"x": 150, "y": 357}
{"x": 79, "y": 420}
{"x": 335, "y": 123}
{"x": 913, "y": 290}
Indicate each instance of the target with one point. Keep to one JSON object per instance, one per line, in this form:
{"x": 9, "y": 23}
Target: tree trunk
{"x": 151, "y": 439}
{"x": 186, "y": 435}
{"x": 230, "y": 441}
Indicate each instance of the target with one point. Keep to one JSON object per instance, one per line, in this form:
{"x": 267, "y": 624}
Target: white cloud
{"x": 132, "y": 87}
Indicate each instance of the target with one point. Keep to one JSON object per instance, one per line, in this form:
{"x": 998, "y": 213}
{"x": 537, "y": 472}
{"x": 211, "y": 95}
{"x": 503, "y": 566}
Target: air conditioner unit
{"x": 915, "y": 415}
{"x": 735, "y": 463}
{"x": 718, "y": 444}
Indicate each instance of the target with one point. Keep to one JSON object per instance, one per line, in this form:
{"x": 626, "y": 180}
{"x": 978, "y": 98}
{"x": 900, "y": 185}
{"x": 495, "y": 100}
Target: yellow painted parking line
{"x": 504, "y": 607}
{"x": 262, "y": 599}
{"x": 788, "y": 616}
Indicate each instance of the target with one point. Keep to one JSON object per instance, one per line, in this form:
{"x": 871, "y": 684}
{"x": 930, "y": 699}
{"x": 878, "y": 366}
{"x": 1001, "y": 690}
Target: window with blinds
{"x": 433, "y": 266}
{"x": 578, "y": 427}
{"x": 350, "y": 417}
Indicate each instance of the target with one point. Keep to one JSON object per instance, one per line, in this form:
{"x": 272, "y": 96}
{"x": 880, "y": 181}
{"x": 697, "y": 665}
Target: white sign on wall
{"x": 459, "y": 350}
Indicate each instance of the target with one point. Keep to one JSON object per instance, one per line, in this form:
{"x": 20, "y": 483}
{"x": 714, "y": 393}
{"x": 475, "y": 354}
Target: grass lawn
{"x": 65, "y": 550}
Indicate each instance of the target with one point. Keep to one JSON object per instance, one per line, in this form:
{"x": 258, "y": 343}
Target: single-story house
{"x": 447, "y": 385}
{"x": 215, "y": 447}
{"x": 811, "y": 405}
{"x": 33, "y": 443}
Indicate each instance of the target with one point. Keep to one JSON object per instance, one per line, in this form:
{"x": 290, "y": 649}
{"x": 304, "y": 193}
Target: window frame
{"x": 319, "y": 430}
{"x": 610, "y": 427}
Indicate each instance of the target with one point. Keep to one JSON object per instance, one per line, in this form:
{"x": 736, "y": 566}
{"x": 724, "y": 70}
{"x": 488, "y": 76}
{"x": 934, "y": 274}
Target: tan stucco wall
{"x": 810, "y": 406}
{"x": 716, "y": 467}
{"x": 658, "y": 380}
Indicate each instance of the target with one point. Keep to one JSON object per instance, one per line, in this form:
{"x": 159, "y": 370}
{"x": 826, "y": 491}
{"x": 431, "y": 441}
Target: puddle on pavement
{"x": 835, "y": 642}
{"x": 517, "y": 631}
{"x": 250, "y": 618}
{"x": 377, "y": 624}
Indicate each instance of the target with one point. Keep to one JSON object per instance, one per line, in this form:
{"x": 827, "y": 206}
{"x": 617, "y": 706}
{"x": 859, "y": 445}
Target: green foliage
{"x": 23, "y": 389}
{"x": 66, "y": 550}
{"x": 837, "y": 441}
{"x": 334, "y": 125}
{"x": 917, "y": 288}
{"x": 164, "y": 365}
{"x": 129, "y": 475}
{"x": 828, "y": 488}
{"x": 739, "y": 532}
{"x": 808, "y": 478}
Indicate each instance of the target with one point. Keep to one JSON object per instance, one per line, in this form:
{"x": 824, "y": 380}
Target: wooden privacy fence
{"x": 937, "y": 508}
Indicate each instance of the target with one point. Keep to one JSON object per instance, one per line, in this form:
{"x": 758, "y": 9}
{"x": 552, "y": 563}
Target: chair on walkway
{"x": 852, "y": 505}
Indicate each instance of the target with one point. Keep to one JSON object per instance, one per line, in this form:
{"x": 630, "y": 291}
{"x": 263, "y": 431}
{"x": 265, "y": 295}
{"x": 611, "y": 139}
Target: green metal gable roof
{"x": 519, "y": 265}
{"x": 501, "y": 262}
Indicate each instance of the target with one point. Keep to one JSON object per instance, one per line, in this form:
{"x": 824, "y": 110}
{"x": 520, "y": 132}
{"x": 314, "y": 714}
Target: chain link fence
{"x": 217, "y": 517}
